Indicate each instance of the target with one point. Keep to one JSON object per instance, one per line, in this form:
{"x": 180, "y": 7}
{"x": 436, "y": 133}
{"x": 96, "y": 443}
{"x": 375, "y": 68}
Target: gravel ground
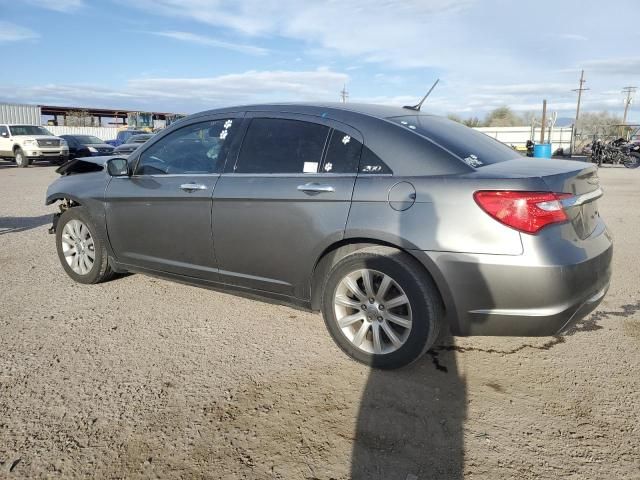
{"x": 143, "y": 378}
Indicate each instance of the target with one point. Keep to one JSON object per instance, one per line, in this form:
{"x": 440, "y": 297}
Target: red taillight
{"x": 527, "y": 212}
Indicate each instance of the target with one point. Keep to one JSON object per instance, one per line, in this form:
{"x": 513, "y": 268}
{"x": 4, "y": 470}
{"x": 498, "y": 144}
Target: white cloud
{"x": 10, "y": 32}
{"x": 211, "y": 42}
{"x": 397, "y": 32}
{"x": 571, "y": 36}
{"x": 64, "y": 6}
{"x": 190, "y": 94}
{"x": 614, "y": 66}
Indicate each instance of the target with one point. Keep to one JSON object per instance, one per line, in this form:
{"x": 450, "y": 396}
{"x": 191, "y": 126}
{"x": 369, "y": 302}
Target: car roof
{"x": 335, "y": 108}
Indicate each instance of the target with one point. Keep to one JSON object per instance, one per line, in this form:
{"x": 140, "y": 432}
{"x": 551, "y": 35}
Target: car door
{"x": 284, "y": 200}
{"x": 159, "y": 218}
{"x": 5, "y": 143}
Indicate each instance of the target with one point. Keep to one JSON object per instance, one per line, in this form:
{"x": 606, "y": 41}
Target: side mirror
{"x": 118, "y": 167}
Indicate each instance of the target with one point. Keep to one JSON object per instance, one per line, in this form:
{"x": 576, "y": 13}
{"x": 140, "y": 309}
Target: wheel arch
{"x": 54, "y": 197}
{"x": 338, "y": 250}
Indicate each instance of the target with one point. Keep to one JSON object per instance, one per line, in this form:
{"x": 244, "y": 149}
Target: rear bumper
{"x": 502, "y": 295}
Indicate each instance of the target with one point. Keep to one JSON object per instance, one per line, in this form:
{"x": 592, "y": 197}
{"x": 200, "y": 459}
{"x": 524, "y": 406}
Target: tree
{"x": 600, "y": 124}
{"x": 455, "y": 118}
{"x": 502, "y": 117}
{"x": 472, "y": 122}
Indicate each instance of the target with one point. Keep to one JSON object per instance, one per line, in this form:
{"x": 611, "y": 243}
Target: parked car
{"x": 123, "y": 136}
{"x": 86, "y": 146}
{"x": 134, "y": 142}
{"x": 26, "y": 143}
{"x": 394, "y": 224}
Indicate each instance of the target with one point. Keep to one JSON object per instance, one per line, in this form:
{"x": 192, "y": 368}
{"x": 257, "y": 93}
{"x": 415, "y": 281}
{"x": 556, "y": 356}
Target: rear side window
{"x": 276, "y": 145}
{"x": 474, "y": 148}
{"x": 343, "y": 154}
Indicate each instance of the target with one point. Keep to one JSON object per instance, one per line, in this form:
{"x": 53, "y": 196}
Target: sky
{"x": 191, "y": 55}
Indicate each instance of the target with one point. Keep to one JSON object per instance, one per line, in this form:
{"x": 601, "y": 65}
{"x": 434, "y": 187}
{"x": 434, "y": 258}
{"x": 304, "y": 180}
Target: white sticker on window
{"x": 346, "y": 139}
{"x": 328, "y": 167}
{"x": 223, "y": 134}
{"x": 228, "y": 124}
{"x": 310, "y": 167}
{"x": 473, "y": 161}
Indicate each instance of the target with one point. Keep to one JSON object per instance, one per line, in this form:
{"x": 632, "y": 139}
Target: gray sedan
{"x": 393, "y": 223}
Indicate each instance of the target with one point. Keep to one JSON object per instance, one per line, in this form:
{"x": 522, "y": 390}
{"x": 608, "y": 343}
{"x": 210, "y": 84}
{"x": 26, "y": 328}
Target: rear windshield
{"x": 473, "y": 147}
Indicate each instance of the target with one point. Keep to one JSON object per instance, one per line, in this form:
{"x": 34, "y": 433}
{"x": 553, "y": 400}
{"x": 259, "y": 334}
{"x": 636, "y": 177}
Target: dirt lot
{"x": 141, "y": 378}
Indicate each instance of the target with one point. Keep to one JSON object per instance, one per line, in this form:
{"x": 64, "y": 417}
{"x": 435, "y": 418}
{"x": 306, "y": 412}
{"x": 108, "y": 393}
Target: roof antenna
{"x": 417, "y": 107}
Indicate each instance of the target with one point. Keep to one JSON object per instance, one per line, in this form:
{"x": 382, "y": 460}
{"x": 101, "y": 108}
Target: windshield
{"x": 88, "y": 139}
{"x": 474, "y": 148}
{"x": 18, "y": 130}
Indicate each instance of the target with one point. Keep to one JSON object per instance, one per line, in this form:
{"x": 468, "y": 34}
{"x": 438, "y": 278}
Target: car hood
{"x": 37, "y": 137}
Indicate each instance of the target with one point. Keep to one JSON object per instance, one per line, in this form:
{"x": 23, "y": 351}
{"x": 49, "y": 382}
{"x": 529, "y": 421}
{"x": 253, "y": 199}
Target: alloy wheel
{"x": 373, "y": 311}
{"x": 78, "y": 247}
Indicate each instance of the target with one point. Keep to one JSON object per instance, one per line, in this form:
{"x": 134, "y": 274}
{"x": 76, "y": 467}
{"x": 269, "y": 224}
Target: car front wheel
{"x": 21, "y": 160}
{"x": 81, "y": 251}
{"x": 381, "y": 307}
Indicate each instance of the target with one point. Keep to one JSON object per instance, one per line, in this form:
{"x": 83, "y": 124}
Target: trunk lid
{"x": 580, "y": 179}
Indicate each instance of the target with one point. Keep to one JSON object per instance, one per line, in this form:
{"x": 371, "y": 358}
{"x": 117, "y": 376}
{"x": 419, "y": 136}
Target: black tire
{"x": 21, "y": 160}
{"x": 100, "y": 270}
{"x": 424, "y": 300}
{"x": 633, "y": 161}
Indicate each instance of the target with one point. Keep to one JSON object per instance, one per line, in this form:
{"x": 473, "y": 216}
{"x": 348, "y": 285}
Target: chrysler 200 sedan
{"x": 393, "y": 223}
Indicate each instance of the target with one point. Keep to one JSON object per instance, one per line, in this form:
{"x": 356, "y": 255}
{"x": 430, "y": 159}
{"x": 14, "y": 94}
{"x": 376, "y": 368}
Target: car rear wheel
{"x": 381, "y": 308}
{"x": 21, "y": 160}
{"x": 633, "y": 161}
{"x": 81, "y": 251}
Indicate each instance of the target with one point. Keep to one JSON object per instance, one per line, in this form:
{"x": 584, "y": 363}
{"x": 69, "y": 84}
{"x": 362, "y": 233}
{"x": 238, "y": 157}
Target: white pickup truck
{"x": 26, "y": 143}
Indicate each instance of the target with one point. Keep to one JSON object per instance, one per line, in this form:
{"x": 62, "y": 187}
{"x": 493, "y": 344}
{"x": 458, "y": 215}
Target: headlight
{"x": 30, "y": 142}
{"x": 63, "y": 142}
{"x": 92, "y": 150}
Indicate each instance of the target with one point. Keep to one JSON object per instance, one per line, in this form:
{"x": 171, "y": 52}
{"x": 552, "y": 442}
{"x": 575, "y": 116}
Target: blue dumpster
{"x": 542, "y": 150}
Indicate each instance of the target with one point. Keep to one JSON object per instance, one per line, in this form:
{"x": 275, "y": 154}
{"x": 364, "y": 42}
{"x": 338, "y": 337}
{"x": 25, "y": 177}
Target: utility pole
{"x": 544, "y": 120}
{"x": 344, "y": 94}
{"x": 627, "y": 103}
{"x": 580, "y": 89}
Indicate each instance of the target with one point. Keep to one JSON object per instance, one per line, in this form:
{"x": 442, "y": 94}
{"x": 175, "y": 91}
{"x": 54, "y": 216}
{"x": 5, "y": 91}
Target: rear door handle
{"x": 315, "y": 188}
{"x": 191, "y": 187}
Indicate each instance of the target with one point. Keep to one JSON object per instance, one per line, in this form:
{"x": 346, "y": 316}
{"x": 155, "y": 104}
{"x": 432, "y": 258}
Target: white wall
{"x": 105, "y": 133}
{"x": 518, "y": 136}
{"x": 19, "y": 113}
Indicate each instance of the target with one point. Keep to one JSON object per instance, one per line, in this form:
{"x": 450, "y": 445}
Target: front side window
{"x": 276, "y": 145}
{"x": 4, "y": 130}
{"x": 199, "y": 148}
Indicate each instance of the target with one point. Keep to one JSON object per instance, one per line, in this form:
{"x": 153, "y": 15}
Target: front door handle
{"x": 191, "y": 187}
{"x": 315, "y": 188}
